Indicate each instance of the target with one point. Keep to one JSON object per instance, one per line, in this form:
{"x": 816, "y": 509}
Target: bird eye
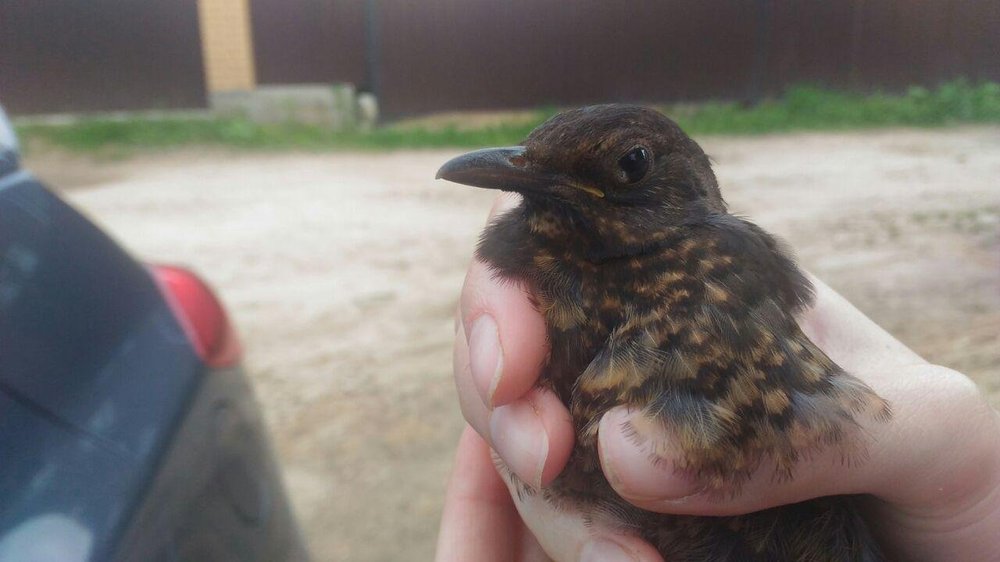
{"x": 634, "y": 164}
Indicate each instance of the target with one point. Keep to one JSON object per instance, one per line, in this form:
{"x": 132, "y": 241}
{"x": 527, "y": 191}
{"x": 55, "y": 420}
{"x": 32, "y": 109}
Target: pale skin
{"x": 933, "y": 472}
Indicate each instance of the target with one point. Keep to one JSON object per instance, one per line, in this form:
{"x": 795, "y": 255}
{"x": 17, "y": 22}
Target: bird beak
{"x": 507, "y": 169}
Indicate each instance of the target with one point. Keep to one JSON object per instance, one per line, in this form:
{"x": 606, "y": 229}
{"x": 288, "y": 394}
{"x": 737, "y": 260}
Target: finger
{"x": 566, "y": 534}
{"x": 534, "y": 434}
{"x": 910, "y": 453}
{"x": 953, "y": 490}
{"x": 473, "y": 408}
{"x": 499, "y": 351}
{"x": 505, "y": 334}
{"x": 479, "y": 521}
{"x": 650, "y": 480}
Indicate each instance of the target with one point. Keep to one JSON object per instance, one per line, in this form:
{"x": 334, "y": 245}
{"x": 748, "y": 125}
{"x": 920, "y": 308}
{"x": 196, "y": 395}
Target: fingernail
{"x": 604, "y": 550}
{"x": 485, "y": 357}
{"x": 520, "y": 439}
{"x": 627, "y": 456}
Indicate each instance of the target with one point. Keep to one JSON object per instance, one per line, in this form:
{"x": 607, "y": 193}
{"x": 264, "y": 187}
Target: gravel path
{"x": 342, "y": 272}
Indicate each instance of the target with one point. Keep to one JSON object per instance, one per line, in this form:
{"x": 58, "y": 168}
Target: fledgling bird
{"x": 656, "y": 298}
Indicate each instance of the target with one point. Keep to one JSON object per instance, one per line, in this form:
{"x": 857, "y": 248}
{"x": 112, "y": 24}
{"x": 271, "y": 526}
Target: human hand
{"x": 933, "y": 473}
{"x": 480, "y": 521}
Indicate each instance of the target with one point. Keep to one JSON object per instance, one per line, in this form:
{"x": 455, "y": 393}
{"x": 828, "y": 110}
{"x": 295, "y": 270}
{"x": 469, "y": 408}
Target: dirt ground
{"x": 342, "y": 272}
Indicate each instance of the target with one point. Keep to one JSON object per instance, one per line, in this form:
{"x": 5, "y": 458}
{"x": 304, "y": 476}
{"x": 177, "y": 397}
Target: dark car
{"x": 128, "y": 429}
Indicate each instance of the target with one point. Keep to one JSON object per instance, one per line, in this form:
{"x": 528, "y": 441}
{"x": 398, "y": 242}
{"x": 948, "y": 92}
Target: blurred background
{"x": 286, "y": 150}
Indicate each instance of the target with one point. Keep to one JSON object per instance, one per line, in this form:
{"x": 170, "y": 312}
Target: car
{"x": 129, "y": 430}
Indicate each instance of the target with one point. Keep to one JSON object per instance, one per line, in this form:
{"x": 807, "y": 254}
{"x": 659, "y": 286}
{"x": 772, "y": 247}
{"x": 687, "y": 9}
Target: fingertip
{"x": 637, "y": 469}
{"x": 507, "y": 336}
{"x": 485, "y": 357}
{"x": 533, "y": 436}
{"x": 558, "y": 426}
{"x": 524, "y": 344}
{"x": 474, "y": 410}
{"x": 639, "y": 461}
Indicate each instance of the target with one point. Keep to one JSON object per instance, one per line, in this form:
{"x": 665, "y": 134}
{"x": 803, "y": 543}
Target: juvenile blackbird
{"x": 655, "y": 297}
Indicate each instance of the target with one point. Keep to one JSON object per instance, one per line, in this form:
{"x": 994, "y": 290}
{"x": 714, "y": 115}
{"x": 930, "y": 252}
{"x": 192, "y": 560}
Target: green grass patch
{"x": 801, "y": 108}
{"x": 94, "y": 134}
{"x": 808, "y": 108}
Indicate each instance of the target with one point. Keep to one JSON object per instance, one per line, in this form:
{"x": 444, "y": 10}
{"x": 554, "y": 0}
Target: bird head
{"x": 628, "y": 164}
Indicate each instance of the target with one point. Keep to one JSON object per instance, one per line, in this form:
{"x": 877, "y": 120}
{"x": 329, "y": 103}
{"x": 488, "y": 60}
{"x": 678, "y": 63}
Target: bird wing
{"x": 721, "y": 367}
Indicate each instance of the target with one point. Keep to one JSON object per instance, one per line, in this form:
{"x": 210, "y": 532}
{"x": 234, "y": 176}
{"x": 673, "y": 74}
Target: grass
{"x": 801, "y": 108}
{"x": 807, "y": 108}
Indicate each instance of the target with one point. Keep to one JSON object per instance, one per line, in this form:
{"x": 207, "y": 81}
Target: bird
{"x": 656, "y": 298}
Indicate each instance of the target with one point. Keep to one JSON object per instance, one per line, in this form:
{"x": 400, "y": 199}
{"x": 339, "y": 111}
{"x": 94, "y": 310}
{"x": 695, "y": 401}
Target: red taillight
{"x": 201, "y": 314}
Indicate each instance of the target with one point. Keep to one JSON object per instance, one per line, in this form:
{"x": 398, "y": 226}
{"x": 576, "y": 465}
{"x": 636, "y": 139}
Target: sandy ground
{"x": 342, "y": 271}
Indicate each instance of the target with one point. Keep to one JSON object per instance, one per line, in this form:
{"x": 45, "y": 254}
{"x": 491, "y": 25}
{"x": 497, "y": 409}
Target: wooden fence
{"x": 465, "y": 54}
{"x": 61, "y": 56}
{"x": 433, "y": 55}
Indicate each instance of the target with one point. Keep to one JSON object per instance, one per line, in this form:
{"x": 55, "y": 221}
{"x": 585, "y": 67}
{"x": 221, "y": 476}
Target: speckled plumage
{"x": 657, "y": 298}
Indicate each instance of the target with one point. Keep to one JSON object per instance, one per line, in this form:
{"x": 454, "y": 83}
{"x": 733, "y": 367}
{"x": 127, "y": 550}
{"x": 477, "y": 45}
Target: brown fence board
{"x": 462, "y": 54}
{"x": 437, "y": 55}
{"x": 99, "y": 55}
{"x": 304, "y": 41}
{"x": 456, "y": 54}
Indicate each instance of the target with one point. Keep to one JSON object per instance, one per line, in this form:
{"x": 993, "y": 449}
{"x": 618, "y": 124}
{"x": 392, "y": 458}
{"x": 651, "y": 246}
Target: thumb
{"x": 640, "y": 458}
{"x": 904, "y": 465}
